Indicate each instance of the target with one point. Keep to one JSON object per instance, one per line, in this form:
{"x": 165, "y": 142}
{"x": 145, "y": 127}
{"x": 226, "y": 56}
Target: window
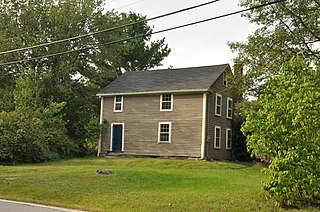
{"x": 224, "y": 78}
{"x": 218, "y": 104}
{"x": 228, "y": 138}
{"x": 217, "y": 137}
{"x": 164, "y": 135}
{"x": 229, "y": 107}
{"x": 166, "y": 102}
{"x": 118, "y": 100}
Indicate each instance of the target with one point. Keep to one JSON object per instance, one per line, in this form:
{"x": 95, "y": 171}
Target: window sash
{"x": 164, "y": 132}
{"x": 228, "y": 138}
{"x": 218, "y": 104}
{"x": 118, "y": 102}
{"x": 166, "y": 102}
{"x": 229, "y": 107}
{"x": 217, "y": 137}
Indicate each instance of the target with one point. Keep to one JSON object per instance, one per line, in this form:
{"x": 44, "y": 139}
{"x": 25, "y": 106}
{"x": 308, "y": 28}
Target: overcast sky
{"x": 198, "y": 45}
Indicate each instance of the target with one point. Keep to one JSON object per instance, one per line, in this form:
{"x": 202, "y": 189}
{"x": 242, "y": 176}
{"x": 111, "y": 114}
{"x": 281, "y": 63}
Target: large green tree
{"x": 285, "y": 29}
{"x": 72, "y": 78}
{"x": 285, "y": 127}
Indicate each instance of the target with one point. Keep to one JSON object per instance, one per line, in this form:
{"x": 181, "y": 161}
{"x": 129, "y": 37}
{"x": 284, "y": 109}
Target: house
{"x": 174, "y": 112}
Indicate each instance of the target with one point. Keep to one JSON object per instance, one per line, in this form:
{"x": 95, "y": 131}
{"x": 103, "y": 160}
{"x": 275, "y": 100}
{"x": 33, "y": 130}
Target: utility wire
{"x": 144, "y": 35}
{"x": 109, "y": 29}
{"x": 110, "y": 1}
{"x": 136, "y": 2}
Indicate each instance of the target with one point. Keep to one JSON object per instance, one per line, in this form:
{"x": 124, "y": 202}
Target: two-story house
{"x": 174, "y": 112}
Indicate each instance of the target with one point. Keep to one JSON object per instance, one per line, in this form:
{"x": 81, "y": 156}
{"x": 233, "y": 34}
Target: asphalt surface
{"x": 14, "y": 206}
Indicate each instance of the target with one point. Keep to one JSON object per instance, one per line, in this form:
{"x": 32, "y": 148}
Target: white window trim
{"x": 228, "y": 129}
{"x": 215, "y": 106}
{"x": 215, "y": 136}
{"x": 111, "y": 136}
{"x": 114, "y": 104}
{"x": 171, "y": 103}
{"x": 163, "y": 142}
{"x": 229, "y": 108}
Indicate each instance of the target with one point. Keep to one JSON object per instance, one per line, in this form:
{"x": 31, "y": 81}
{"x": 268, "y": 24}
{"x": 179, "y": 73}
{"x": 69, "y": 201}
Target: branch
{"x": 289, "y": 29}
{"x": 302, "y": 22}
{"x": 299, "y": 37}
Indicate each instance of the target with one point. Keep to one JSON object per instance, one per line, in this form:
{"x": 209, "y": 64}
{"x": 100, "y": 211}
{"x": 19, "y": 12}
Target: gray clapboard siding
{"x": 222, "y": 121}
{"x": 141, "y": 115}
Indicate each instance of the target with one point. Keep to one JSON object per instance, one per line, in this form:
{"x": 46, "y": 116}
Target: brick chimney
{"x": 237, "y": 68}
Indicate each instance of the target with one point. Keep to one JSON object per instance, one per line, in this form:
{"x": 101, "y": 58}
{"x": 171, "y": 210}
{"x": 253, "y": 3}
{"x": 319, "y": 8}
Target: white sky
{"x": 197, "y": 45}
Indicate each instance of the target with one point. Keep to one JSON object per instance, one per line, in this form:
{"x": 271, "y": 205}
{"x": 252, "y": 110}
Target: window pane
{"x": 217, "y": 142}
{"x": 218, "y": 100}
{"x": 118, "y": 98}
{"x": 166, "y": 105}
{"x": 218, "y": 110}
{"x": 229, "y": 103}
{"x": 118, "y": 106}
{"x": 217, "y": 132}
{"x": 166, "y": 97}
{"x": 164, "y": 137}
{"x": 164, "y": 128}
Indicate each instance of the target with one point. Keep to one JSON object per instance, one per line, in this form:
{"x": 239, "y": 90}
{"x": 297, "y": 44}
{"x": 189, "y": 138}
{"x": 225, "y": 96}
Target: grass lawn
{"x": 139, "y": 184}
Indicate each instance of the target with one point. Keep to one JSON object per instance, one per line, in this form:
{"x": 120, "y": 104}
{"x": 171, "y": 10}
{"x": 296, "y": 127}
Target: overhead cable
{"x": 144, "y": 35}
{"x": 108, "y": 29}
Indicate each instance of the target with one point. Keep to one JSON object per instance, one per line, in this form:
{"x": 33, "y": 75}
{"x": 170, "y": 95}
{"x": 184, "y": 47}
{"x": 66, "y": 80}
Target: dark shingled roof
{"x": 170, "y": 80}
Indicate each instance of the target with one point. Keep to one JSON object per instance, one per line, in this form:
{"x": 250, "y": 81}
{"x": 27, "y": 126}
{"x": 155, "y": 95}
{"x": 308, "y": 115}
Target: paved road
{"x": 13, "y": 206}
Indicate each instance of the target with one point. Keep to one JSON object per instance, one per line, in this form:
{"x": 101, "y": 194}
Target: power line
{"x": 136, "y": 2}
{"x": 144, "y": 35}
{"x": 111, "y": 1}
{"x": 108, "y": 29}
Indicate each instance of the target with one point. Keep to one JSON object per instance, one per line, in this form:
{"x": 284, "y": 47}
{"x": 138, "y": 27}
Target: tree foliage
{"x": 71, "y": 79}
{"x": 35, "y": 131}
{"x": 285, "y": 126}
{"x": 285, "y": 29}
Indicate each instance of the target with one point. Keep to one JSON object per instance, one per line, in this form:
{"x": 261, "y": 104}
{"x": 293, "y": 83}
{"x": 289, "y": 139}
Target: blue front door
{"x": 117, "y": 138}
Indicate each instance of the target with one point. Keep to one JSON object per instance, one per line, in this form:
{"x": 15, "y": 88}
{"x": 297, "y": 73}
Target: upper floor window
{"x": 228, "y": 138}
{"x": 164, "y": 132}
{"x": 229, "y": 107}
{"x": 166, "y": 102}
{"x": 118, "y": 101}
{"x": 218, "y": 104}
{"x": 224, "y": 78}
{"x": 217, "y": 137}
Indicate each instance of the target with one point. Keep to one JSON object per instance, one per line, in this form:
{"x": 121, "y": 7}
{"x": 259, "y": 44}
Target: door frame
{"x": 111, "y": 136}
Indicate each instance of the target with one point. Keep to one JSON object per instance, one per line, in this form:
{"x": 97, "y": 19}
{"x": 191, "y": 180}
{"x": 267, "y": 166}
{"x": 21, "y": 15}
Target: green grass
{"x": 139, "y": 184}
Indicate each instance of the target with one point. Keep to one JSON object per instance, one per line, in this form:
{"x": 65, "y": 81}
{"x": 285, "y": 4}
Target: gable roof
{"x": 165, "y": 80}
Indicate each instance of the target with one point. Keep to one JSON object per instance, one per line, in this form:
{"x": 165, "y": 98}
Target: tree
{"x": 72, "y": 78}
{"x": 285, "y": 126}
{"x": 285, "y": 29}
{"x": 35, "y": 130}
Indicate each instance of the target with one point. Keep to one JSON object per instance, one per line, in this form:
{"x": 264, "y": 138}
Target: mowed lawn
{"x": 139, "y": 184}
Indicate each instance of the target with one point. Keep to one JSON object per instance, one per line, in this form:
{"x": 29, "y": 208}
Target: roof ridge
{"x": 192, "y": 67}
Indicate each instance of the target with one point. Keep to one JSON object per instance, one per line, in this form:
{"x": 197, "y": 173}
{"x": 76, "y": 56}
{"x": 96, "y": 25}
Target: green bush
{"x": 22, "y": 138}
{"x": 27, "y": 136}
{"x": 93, "y": 129}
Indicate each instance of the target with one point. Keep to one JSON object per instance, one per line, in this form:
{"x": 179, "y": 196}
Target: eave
{"x": 153, "y": 92}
